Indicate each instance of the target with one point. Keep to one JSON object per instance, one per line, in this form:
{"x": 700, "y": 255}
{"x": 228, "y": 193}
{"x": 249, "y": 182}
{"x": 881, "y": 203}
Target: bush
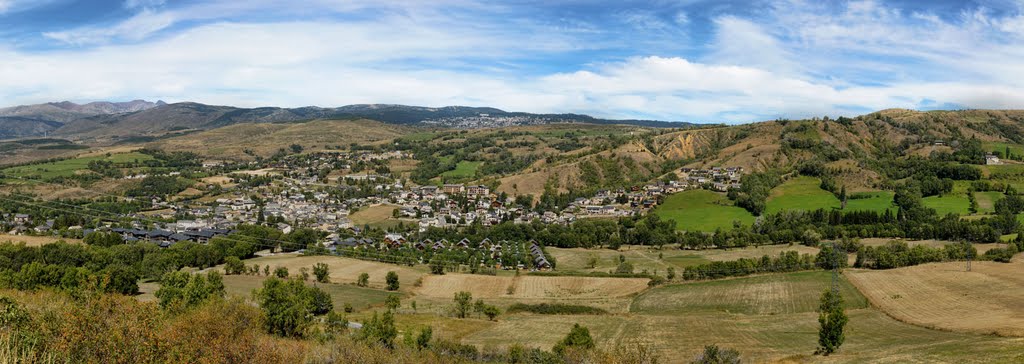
{"x": 364, "y": 279}
{"x": 714, "y": 355}
{"x": 555, "y": 309}
{"x": 322, "y": 272}
{"x": 578, "y": 338}
{"x": 463, "y": 302}
{"x": 233, "y": 265}
{"x": 290, "y": 306}
{"x": 392, "y": 281}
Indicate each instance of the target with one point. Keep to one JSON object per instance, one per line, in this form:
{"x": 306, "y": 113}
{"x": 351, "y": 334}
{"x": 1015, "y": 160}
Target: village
{"x": 295, "y": 193}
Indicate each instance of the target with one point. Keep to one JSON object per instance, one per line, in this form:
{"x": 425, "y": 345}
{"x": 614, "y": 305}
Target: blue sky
{"x": 684, "y": 60}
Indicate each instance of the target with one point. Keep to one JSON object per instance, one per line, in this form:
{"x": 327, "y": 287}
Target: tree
{"x": 322, "y": 272}
{"x": 281, "y": 272}
{"x": 233, "y": 265}
{"x": 463, "y": 302}
{"x": 290, "y": 305}
{"x": 671, "y": 273}
{"x": 714, "y": 355}
{"x": 392, "y": 302}
{"x": 392, "y": 280}
{"x": 379, "y": 330}
{"x": 436, "y": 266}
{"x": 182, "y": 290}
{"x": 491, "y": 312}
{"x": 624, "y": 268}
{"x": 423, "y": 339}
{"x": 479, "y": 306}
{"x": 578, "y": 338}
{"x": 103, "y": 239}
{"x": 121, "y": 279}
{"x": 833, "y": 320}
{"x": 842, "y": 197}
{"x": 364, "y": 279}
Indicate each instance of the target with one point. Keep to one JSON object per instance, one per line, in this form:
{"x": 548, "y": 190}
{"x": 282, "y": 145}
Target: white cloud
{"x": 796, "y": 60}
{"x": 135, "y": 28}
{"x": 134, "y": 4}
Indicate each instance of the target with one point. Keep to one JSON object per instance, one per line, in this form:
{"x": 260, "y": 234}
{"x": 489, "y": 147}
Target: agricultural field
{"x": 463, "y": 170}
{"x": 874, "y": 201}
{"x": 69, "y": 167}
{"x": 646, "y": 258}
{"x": 778, "y": 325}
{"x": 954, "y": 203}
{"x": 945, "y": 296}
{"x": 530, "y": 287}
{"x": 344, "y": 270}
{"x": 800, "y": 193}
{"x": 702, "y": 210}
{"x": 987, "y": 200}
{"x": 372, "y": 215}
{"x": 341, "y": 293}
{"x": 35, "y": 240}
{"x": 762, "y": 295}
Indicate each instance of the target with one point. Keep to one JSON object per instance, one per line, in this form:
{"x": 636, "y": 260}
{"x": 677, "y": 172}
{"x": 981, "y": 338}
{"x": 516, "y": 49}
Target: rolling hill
{"x": 108, "y": 121}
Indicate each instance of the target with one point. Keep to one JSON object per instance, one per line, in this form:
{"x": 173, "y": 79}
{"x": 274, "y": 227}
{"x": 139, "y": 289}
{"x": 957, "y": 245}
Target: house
{"x": 394, "y": 239}
{"x": 22, "y": 219}
{"x": 453, "y": 189}
{"x": 478, "y": 191}
{"x": 992, "y": 160}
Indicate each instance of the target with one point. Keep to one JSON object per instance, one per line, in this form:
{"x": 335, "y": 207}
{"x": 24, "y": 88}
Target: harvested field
{"x": 762, "y": 295}
{"x": 528, "y": 287}
{"x": 372, "y": 214}
{"x": 35, "y": 240}
{"x": 988, "y": 299}
{"x": 647, "y": 257}
{"x": 872, "y": 337}
{"x": 343, "y": 270}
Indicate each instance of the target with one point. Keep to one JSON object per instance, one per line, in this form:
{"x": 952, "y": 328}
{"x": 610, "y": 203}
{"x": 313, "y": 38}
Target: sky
{"x": 680, "y": 60}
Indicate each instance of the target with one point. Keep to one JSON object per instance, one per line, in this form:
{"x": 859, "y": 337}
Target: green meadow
{"x": 68, "y": 167}
{"x": 464, "y": 169}
{"x": 871, "y": 201}
{"x": 702, "y": 210}
{"x": 800, "y": 193}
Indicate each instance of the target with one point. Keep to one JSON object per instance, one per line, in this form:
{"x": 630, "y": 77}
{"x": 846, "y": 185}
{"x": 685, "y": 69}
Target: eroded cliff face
{"x": 683, "y": 145}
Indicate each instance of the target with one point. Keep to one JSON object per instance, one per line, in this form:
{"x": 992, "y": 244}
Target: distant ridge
{"x": 139, "y": 117}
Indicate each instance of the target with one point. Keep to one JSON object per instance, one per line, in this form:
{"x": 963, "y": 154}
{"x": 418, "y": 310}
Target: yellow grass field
{"x": 988, "y": 299}
{"x": 530, "y": 287}
{"x": 646, "y": 257}
{"x": 34, "y": 240}
{"x": 785, "y": 333}
{"x": 372, "y": 215}
{"x": 343, "y": 270}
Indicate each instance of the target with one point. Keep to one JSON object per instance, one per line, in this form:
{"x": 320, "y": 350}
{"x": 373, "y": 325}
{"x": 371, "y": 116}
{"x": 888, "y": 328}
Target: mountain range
{"x": 139, "y": 117}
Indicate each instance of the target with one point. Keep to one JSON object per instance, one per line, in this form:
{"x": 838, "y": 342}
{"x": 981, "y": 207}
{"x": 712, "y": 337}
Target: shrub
{"x": 578, "y": 338}
{"x": 392, "y": 281}
{"x": 233, "y": 265}
{"x": 556, "y": 309}
{"x": 322, "y": 272}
